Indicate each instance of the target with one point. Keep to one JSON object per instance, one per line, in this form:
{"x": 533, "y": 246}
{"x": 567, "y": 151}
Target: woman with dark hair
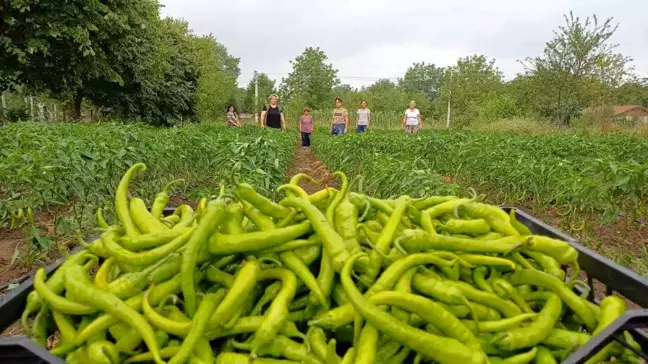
{"x": 364, "y": 118}
{"x": 340, "y": 121}
{"x": 232, "y": 117}
{"x": 272, "y": 115}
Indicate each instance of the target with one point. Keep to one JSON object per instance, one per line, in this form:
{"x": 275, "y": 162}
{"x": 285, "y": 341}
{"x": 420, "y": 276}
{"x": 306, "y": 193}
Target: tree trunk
{"x": 78, "y": 98}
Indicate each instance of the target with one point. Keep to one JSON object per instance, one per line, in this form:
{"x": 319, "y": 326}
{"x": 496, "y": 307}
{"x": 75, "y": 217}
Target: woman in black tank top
{"x": 272, "y": 116}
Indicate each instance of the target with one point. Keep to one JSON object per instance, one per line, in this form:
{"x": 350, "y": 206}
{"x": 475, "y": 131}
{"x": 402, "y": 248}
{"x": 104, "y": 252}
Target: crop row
{"x": 44, "y": 165}
{"x": 601, "y": 175}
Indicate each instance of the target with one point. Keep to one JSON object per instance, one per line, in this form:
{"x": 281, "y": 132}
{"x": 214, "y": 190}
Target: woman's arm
{"x": 346, "y": 122}
{"x": 283, "y": 122}
{"x": 262, "y": 121}
{"x": 368, "y": 119}
{"x": 357, "y": 119}
{"x": 420, "y": 120}
{"x": 237, "y": 121}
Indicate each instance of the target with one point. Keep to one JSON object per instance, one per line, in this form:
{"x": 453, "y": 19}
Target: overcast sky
{"x": 371, "y": 39}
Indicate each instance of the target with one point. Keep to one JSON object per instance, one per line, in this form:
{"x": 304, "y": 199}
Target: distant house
{"x": 627, "y": 113}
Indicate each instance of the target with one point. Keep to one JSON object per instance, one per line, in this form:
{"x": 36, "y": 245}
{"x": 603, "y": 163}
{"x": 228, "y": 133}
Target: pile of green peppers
{"x": 330, "y": 277}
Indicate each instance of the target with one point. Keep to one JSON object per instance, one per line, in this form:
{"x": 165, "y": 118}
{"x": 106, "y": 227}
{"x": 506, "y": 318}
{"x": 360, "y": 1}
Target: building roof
{"x": 619, "y": 109}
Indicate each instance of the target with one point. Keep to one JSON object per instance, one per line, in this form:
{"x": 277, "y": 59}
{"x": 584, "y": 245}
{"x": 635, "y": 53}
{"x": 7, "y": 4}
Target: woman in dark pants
{"x": 272, "y": 116}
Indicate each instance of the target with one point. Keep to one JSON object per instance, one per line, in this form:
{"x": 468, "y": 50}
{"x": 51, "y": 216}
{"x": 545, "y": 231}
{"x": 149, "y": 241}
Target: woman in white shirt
{"x": 363, "y": 118}
{"x": 412, "y": 118}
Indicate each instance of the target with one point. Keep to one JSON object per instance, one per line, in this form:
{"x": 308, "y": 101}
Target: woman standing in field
{"x": 412, "y": 119}
{"x": 340, "y": 121}
{"x": 232, "y": 117}
{"x": 272, "y": 115}
{"x": 364, "y": 118}
{"x": 306, "y": 127}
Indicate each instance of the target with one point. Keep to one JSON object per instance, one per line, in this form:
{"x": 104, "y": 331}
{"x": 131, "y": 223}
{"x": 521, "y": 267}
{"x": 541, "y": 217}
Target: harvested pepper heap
{"x": 332, "y": 277}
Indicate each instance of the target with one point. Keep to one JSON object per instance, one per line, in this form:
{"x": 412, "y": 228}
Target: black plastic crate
{"x": 614, "y": 277}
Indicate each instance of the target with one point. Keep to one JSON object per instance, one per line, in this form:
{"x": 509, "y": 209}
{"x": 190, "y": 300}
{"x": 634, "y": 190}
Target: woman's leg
{"x": 308, "y": 135}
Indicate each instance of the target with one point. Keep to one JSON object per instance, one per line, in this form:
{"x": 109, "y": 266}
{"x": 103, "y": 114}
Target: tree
{"x": 219, "y": 72}
{"x": 422, "y": 78}
{"x": 266, "y": 88}
{"x": 311, "y": 78}
{"x": 61, "y": 46}
{"x": 472, "y": 81}
{"x": 577, "y": 68}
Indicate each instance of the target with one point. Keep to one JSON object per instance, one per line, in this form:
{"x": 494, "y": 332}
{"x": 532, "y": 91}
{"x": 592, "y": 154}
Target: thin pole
{"x": 256, "y": 98}
{"x": 449, "y": 98}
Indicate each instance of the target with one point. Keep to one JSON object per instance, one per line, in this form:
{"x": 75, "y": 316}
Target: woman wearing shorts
{"x": 340, "y": 120}
{"x": 412, "y": 118}
{"x": 272, "y": 116}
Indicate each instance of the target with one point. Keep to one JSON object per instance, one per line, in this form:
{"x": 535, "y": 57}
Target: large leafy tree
{"x": 470, "y": 84}
{"x": 219, "y": 72}
{"x": 423, "y": 79}
{"x": 579, "y": 67}
{"x": 311, "y": 79}
{"x": 266, "y": 88}
{"x": 62, "y": 46}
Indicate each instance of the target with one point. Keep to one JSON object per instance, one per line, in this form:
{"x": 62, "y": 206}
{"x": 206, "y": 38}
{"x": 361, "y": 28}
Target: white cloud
{"x": 367, "y": 39}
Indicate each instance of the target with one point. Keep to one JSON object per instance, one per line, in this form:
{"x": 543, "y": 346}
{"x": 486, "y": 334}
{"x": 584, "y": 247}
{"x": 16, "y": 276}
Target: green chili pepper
{"x": 103, "y": 352}
{"x": 258, "y": 218}
{"x": 216, "y": 275}
{"x": 234, "y": 223}
{"x": 317, "y": 339}
{"x": 537, "y": 278}
{"x": 78, "y": 283}
{"x": 403, "y": 285}
{"x": 499, "y": 325}
{"x": 475, "y": 227}
{"x": 367, "y": 345}
{"x": 516, "y": 359}
{"x": 283, "y": 347}
{"x": 220, "y": 244}
{"x": 100, "y": 219}
{"x": 187, "y": 217}
{"x": 333, "y": 242}
{"x": 292, "y": 261}
{"x": 612, "y": 308}
{"x": 289, "y": 246}
{"x": 57, "y": 302}
{"x": 520, "y": 227}
{"x": 549, "y": 265}
{"x": 499, "y": 220}
{"x": 130, "y": 284}
{"x": 345, "y": 221}
{"x": 440, "y": 349}
{"x": 162, "y": 198}
{"x": 246, "y": 192}
{"x": 343, "y": 315}
{"x": 430, "y": 312}
{"x": 215, "y": 214}
{"x": 557, "y": 249}
{"x": 543, "y": 356}
{"x": 165, "y": 353}
{"x": 490, "y": 236}
{"x": 121, "y": 200}
{"x": 565, "y": 339}
{"x": 250, "y": 324}
{"x": 383, "y": 245}
{"x": 144, "y": 220}
{"x": 534, "y": 333}
{"x": 418, "y": 240}
{"x": 479, "y": 277}
{"x": 278, "y": 311}
{"x": 65, "y": 326}
{"x": 148, "y": 241}
{"x": 198, "y": 325}
{"x": 241, "y": 288}
{"x": 144, "y": 258}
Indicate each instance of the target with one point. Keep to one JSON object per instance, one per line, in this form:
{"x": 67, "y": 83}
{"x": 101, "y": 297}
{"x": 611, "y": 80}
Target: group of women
{"x": 272, "y": 116}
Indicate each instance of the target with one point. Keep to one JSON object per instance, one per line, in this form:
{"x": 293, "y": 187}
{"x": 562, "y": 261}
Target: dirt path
{"x": 304, "y": 161}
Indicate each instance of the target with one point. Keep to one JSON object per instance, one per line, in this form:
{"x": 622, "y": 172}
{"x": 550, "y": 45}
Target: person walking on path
{"x": 364, "y": 118}
{"x": 306, "y": 127}
{"x": 232, "y": 117}
{"x": 340, "y": 121}
{"x": 272, "y": 115}
{"x": 412, "y": 119}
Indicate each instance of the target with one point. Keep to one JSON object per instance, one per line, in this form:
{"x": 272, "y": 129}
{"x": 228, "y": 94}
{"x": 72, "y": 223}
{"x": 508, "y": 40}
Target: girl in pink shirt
{"x": 306, "y": 127}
